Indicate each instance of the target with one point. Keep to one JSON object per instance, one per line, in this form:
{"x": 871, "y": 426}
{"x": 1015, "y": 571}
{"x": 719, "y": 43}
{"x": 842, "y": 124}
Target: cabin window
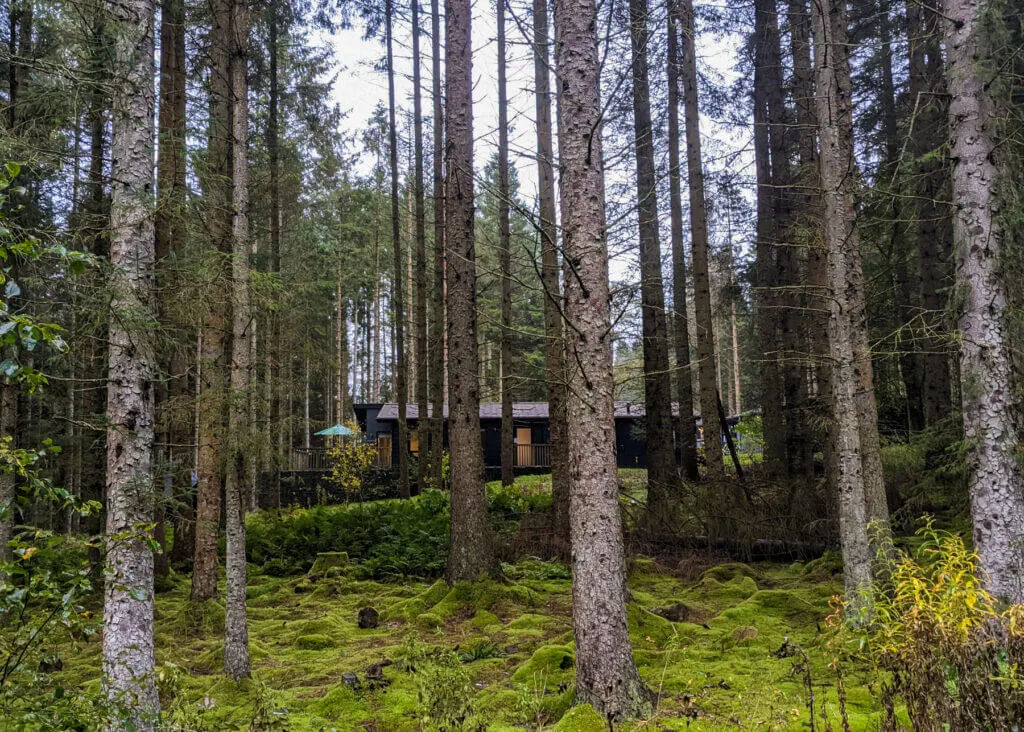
{"x": 524, "y": 436}
{"x": 414, "y": 442}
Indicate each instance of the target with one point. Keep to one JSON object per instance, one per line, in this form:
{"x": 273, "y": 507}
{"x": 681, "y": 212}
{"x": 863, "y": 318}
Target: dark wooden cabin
{"x": 379, "y": 423}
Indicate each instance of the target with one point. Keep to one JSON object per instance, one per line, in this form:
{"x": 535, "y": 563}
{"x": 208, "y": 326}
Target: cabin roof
{"x": 520, "y": 410}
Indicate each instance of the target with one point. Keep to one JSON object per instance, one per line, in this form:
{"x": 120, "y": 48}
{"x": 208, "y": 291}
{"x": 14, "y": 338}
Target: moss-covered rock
{"x": 730, "y": 571}
{"x": 583, "y": 718}
{"x": 314, "y": 642}
{"x": 328, "y": 560}
{"x": 485, "y": 619}
{"x": 549, "y": 666}
{"x": 646, "y": 628}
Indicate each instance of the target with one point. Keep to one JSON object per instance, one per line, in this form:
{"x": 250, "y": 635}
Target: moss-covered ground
{"x": 497, "y": 655}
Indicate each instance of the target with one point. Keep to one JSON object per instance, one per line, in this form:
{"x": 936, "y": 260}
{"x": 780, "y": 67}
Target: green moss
{"x": 313, "y": 642}
{"x": 646, "y": 628}
{"x": 416, "y": 605}
{"x": 730, "y": 571}
{"x": 484, "y": 619}
{"x": 429, "y": 621}
{"x": 328, "y": 560}
{"x": 583, "y": 718}
{"x": 547, "y": 668}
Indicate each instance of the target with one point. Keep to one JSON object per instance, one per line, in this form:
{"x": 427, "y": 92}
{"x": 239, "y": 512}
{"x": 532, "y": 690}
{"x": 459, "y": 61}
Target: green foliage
{"x": 445, "y": 693}
{"x": 390, "y": 539}
{"x": 943, "y": 648}
{"x": 351, "y": 460}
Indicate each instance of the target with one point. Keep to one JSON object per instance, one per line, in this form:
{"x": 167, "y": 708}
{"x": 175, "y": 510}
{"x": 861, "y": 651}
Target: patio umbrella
{"x": 338, "y": 430}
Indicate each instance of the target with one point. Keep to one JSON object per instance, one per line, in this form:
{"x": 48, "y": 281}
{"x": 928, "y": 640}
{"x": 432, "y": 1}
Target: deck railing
{"x": 533, "y": 456}
{"x": 308, "y": 458}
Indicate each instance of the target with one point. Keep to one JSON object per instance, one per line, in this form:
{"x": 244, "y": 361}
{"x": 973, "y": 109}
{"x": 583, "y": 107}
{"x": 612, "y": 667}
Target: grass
{"x": 495, "y": 655}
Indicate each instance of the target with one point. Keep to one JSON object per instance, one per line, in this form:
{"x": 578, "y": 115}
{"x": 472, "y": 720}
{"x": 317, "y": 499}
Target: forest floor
{"x": 499, "y": 655}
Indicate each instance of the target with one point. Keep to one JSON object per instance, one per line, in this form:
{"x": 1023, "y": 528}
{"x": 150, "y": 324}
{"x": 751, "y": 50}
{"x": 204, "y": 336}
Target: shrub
{"x": 392, "y": 538}
{"x": 351, "y": 460}
{"x": 942, "y": 647}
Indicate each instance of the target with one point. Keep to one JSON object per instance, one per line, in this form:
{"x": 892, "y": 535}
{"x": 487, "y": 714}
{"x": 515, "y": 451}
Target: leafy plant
{"x": 351, "y": 459}
{"x": 942, "y": 647}
{"x": 446, "y": 694}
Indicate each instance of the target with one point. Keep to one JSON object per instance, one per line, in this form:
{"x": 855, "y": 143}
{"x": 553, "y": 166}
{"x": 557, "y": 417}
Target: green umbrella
{"x": 338, "y": 430}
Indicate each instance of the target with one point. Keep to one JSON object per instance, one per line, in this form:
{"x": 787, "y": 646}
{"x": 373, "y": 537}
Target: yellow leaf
{"x": 29, "y": 552}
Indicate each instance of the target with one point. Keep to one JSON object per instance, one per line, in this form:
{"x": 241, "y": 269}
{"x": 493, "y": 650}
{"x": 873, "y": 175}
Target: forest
{"x": 511, "y": 365}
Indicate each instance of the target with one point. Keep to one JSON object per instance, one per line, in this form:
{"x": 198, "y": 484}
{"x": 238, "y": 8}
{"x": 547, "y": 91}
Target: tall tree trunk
{"x": 128, "y": 588}
{"x": 699, "y": 235}
{"x": 991, "y": 427}
{"x": 420, "y": 310}
{"x": 170, "y": 237}
{"x": 274, "y": 352}
{"x": 553, "y": 331}
{"x": 767, "y": 250}
{"x": 213, "y": 346}
{"x": 508, "y": 448}
{"x": 808, "y": 217}
{"x": 933, "y": 220}
{"x": 835, "y": 126}
{"x": 437, "y": 362}
{"x": 471, "y": 554}
{"x": 342, "y": 404}
{"x": 661, "y": 475}
{"x": 606, "y": 675}
{"x": 397, "y": 286}
{"x": 236, "y": 632}
{"x": 686, "y": 439}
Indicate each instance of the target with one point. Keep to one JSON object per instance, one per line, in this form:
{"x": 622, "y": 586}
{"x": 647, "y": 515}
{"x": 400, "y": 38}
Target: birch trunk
{"x": 991, "y": 426}
{"x": 128, "y": 587}
{"x": 606, "y": 675}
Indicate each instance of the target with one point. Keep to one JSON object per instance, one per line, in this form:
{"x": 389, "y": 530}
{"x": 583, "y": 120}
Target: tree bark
{"x": 835, "y": 126}
{"x": 437, "y": 360}
{"x": 766, "y": 248}
{"x": 553, "y": 331}
{"x": 128, "y": 659}
{"x": 808, "y": 216}
{"x": 236, "y": 633}
{"x": 274, "y": 353}
{"x": 686, "y": 438}
{"x": 420, "y": 309}
{"x": 606, "y": 675}
{"x": 471, "y": 554}
{"x": 213, "y": 346}
{"x": 991, "y": 427}
{"x": 699, "y": 242}
{"x": 397, "y": 285}
{"x": 170, "y": 237}
{"x": 508, "y": 430}
{"x": 661, "y": 476}
{"x": 933, "y": 221}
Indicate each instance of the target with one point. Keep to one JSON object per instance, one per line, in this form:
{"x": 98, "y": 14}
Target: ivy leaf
{"x": 12, "y": 289}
